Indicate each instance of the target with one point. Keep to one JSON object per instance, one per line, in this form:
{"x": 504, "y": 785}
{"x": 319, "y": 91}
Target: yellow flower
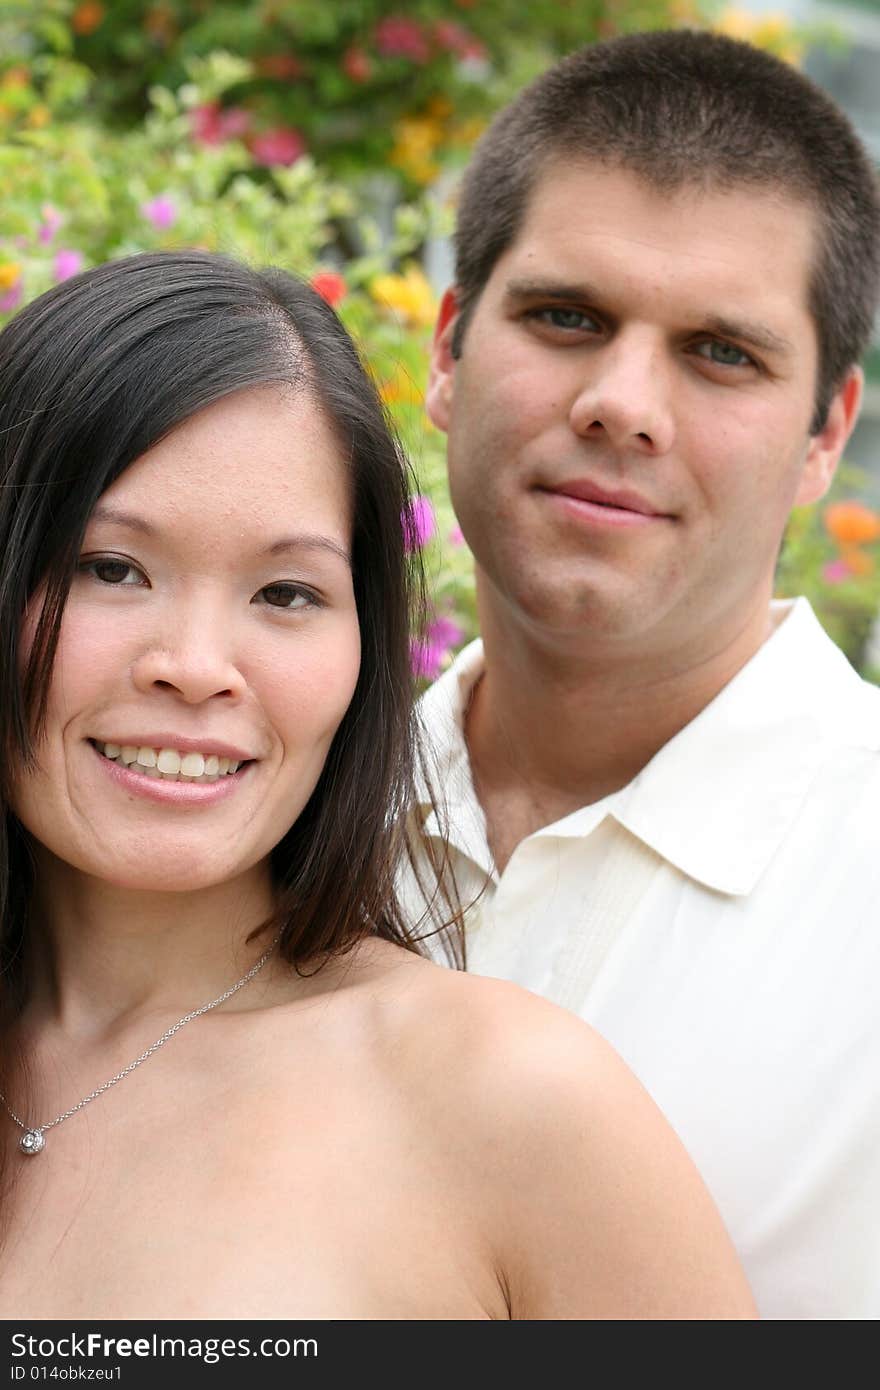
{"x": 736, "y": 24}
{"x": 467, "y": 132}
{"x": 400, "y": 388}
{"x": 440, "y": 108}
{"x": 415, "y": 140}
{"x": 9, "y": 275}
{"x": 408, "y": 295}
{"x": 39, "y": 116}
{"x": 772, "y": 32}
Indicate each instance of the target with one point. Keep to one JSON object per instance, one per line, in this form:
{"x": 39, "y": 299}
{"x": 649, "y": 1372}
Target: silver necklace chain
{"x": 32, "y": 1141}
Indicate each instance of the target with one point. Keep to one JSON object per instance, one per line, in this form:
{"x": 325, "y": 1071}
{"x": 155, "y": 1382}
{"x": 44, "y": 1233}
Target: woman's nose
{"x": 192, "y": 660}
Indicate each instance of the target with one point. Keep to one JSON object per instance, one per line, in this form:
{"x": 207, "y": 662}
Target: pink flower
{"x": 398, "y": 37}
{"x": 67, "y": 262}
{"x": 330, "y": 286}
{"x": 233, "y": 123}
{"x": 419, "y": 523}
{"x": 444, "y": 632}
{"x": 49, "y": 226}
{"x": 836, "y": 571}
{"x": 425, "y": 658}
{"x": 212, "y": 126}
{"x": 456, "y": 536}
{"x": 281, "y": 145}
{"x": 161, "y": 211}
{"x": 12, "y": 298}
{"x": 457, "y": 40}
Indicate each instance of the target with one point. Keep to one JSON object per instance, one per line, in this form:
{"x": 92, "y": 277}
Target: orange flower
{"x": 15, "y": 77}
{"x": 851, "y": 523}
{"x": 856, "y": 561}
{"x": 87, "y": 17}
{"x": 159, "y": 24}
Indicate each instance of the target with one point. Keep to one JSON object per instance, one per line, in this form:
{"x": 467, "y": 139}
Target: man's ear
{"x": 438, "y": 396}
{"x": 826, "y": 448}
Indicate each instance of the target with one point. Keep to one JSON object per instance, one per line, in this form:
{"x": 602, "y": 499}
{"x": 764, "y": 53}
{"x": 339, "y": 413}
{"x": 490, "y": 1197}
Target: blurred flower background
{"x": 327, "y": 139}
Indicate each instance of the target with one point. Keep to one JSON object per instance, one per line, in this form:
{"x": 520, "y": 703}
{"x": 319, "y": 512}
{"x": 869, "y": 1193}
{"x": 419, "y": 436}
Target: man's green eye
{"x": 567, "y": 318}
{"x": 726, "y": 355}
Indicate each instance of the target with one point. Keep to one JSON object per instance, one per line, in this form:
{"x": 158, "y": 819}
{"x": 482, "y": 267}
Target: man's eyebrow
{"x": 757, "y": 335}
{"x": 305, "y": 540}
{"x": 550, "y": 289}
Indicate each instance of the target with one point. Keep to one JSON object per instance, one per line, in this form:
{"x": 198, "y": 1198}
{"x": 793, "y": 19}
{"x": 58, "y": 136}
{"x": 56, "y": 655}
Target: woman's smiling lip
{"x": 157, "y": 789}
{"x": 181, "y": 744}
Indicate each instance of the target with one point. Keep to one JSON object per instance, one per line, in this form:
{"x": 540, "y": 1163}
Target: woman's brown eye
{"x": 113, "y": 571}
{"x": 285, "y": 596}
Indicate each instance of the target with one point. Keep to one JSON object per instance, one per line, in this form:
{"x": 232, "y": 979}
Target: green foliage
{"x": 349, "y": 78}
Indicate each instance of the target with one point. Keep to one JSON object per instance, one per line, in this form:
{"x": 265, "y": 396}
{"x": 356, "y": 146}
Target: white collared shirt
{"x": 718, "y": 921}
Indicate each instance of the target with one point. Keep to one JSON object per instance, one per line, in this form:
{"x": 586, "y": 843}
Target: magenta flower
{"x": 425, "y": 658}
{"x": 12, "y": 298}
{"x": 418, "y": 522}
{"x": 445, "y": 633}
{"x": 456, "y": 536}
{"x": 67, "y": 262}
{"x": 836, "y": 571}
{"x": 161, "y": 211}
{"x": 281, "y": 145}
{"x": 52, "y": 220}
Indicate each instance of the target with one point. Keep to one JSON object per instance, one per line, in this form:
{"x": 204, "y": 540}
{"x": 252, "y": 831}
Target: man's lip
{"x": 622, "y": 499}
{"x": 205, "y": 746}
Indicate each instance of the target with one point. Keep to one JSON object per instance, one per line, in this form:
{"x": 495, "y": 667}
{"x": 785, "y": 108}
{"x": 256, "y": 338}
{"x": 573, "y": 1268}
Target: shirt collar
{"x": 718, "y": 799}
{"x": 444, "y": 779}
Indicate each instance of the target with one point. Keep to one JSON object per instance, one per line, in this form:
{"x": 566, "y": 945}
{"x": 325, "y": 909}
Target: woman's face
{"x": 212, "y": 623}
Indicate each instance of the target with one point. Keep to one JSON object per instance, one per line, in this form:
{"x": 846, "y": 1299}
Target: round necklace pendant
{"x": 32, "y": 1141}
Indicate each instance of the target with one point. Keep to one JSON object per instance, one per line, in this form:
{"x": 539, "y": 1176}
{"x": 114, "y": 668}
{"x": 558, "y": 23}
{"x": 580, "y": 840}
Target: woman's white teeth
{"x": 169, "y": 764}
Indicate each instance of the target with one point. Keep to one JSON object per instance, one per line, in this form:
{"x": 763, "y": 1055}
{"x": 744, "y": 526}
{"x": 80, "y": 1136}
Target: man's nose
{"x": 191, "y": 656}
{"x": 627, "y": 396}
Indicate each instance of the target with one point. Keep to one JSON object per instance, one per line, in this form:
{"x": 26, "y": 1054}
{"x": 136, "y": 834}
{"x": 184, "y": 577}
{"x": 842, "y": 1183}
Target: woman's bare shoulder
{"x": 521, "y": 1096}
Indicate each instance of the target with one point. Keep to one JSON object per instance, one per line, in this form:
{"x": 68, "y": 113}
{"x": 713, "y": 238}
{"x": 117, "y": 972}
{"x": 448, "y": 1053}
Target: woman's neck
{"x": 99, "y": 955}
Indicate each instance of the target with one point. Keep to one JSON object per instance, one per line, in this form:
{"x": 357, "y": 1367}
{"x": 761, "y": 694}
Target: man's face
{"x": 629, "y": 418}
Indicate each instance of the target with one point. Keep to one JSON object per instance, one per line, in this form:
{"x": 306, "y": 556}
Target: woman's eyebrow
{"x": 305, "y": 540}
{"x": 115, "y": 517}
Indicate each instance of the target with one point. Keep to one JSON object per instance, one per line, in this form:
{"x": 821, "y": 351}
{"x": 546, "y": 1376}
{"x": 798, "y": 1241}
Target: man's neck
{"x": 551, "y": 730}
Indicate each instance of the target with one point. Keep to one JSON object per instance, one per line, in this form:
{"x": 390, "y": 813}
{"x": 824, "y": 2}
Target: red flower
{"x": 280, "y": 65}
{"x": 330, "y": 286}
{"x": 280, "y": 145}
{"x": 356, "y": 64}
{"x": 398, "y": 37}
{"x": 212, "y": 126}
